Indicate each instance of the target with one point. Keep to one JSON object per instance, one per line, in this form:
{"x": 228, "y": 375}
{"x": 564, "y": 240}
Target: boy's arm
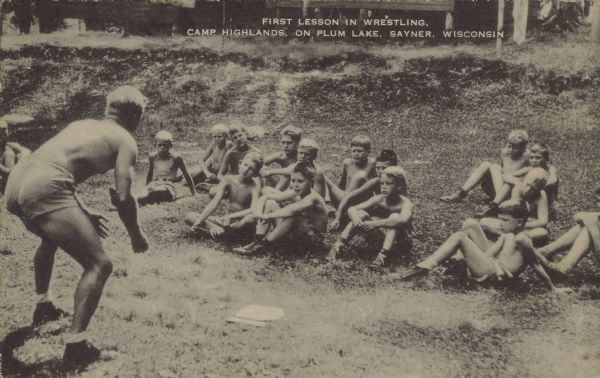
{"x": 396, "y": 219}
{"x": 504, "y": 241}
{"x": 186, "y": 175}
{"x": 272, "y": 158}
{"x": 213, "y": 204}
{"x": 510, "y": 179}
{"x": 292, "y": 209}
{"x": 364, "y": 189}
{"x": 150, "y": 173}
{"x": 275, "y": 196}
{"x": 224, "y": 164}
{"x": 344, "y": 177}
{"x": 353, "y": 210}
{"x": 283, "y": 183}
{"x": 126, "y": 204}
{"x": 238, "y": 214}
{"x": 519, "y": 172}
{"x": 552, "y": 176}
{"x": 542, "y": 213}
{"x": 532, "y": 258}
{"x": 205, "y": 156}
{"x": 287, "y": 171}
{"x": 319, "y": 185}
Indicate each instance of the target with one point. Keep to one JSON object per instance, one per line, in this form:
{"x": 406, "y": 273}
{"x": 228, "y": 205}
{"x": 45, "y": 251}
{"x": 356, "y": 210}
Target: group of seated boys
{"x": 285, "y": 197}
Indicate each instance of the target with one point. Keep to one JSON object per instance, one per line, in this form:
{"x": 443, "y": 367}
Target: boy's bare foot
{"x": 379, "y": 263}
{"x": 457, "y": 196}
{"x": 491, "y": 210}
{"x": 46, "y": 312}
{"x": 335, "y": 251}
{"x": 250, "y": 249}
{"x": 79, "y": 355}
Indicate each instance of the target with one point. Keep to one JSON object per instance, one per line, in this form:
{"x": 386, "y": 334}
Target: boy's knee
{"x": 485, "y": 165}
{"x": 461, "y": 236}
{"x": 470, "y": 223}
{"x": 362, "y": 214}
{"x": 523, "y": 240}
{"x": 104, "y": 267}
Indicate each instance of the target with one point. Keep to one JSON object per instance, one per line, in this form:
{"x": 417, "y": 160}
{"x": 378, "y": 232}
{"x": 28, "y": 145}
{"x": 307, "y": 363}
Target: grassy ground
{"x": 443, "y": 110}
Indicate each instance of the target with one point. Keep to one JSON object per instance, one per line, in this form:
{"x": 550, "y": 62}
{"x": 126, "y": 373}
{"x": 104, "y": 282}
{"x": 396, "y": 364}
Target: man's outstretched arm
{"x": 126, "y": 204}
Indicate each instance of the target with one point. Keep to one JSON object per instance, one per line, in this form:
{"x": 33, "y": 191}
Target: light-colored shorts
{"x": 35, "y": 188}
{"x": 163, "y": 186}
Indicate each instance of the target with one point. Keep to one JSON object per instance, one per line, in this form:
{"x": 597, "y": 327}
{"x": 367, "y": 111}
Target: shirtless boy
{"x": 41, "y": 191}
{"x": 356, "y": 170}
{"x": 538, "y": 157}
{"x": 12, "y": 152}
{"x": 491, "y": 261}
{"x": 385, "y": 158}
{"x": 211, "y": 159}
{"x": 389, "y": 212}
{"x": 530, "y": 191}
{"x": 298, "y": 214}
{"x": 308, "y": 150}
{"x": 242, "y": 190}
{"x": 289, "y": 138}
{"x": 580, "y": 240}
{"x": 162, "y": 172}
{"x": 232, "y": 158}
{"x": 513, "y": 161}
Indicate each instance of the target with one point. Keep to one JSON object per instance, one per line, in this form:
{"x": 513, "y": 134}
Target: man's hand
{"x": 139, "y": 243}
{"x": 99, "y": 221}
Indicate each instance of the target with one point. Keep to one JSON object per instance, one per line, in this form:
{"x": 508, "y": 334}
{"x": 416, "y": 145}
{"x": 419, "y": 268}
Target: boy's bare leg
{"x": 72, "y": 230}
{"x": 580, "y": 248}
{"x": 356, "y": 181}
{"x": 340, "y": 243}
{"x": 476, "y": 233}
{"x": 190, "y": 217}
{"x": 564, "y": 242}
{"x": 503, "y": 193}
{"x": 537, "y": 234}
{"x": 143, "y": 196}
{"x": 476, "y": 260}
{"x": 335, "y": 193}
{"x": 498, "y": 182}
{"x": 472, "y": 181}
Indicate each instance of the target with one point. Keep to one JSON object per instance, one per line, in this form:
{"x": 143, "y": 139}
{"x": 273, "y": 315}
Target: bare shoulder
{"x": 177, "y": 156}
{"x": 346, "y": 162}
{"x": 406, "y": 201}
{"x": 319, "y": 170}
{"x": 228, "y": 145}
{"x": 152, "y": 155}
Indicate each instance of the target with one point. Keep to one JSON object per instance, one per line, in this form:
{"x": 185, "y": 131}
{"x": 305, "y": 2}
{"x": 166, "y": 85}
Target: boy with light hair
{"x": 389, "y": 212}
{"x": 211, "y": 159}
{"x": 41, "y": 191}
{"x": 308, "y": 151}
{"x": 513, "y": 161}
{"x": 162, "y": 172}
{"x": 356, "y": 170}
{"x": 290, "y": 137}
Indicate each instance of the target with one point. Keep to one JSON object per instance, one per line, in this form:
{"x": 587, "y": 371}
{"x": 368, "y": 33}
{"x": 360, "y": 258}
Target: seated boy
{"x": 12, "y": 152}
{"x": 308, "y": 150}
{"x": 211, "y": 159}
{"x": 298, "y": 214}
{"x": 530, "y": 191}
{"x": 385, "y": 158}
{"x": 232, "y": 158}
{"x": 242, "y": 190}
{"x": 490, "y": 261}
{"x": 356, "y": 170}
{"x": 580, "y": 240}
{"x": 538, "y": 157}
{"x": 289, "y": 138}
{"x": 164, "y": 165}
{"x": 513, "y": 161}
{"x": 389, "y": 212}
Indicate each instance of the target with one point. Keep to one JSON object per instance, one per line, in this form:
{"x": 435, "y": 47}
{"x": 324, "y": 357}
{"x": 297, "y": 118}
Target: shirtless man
{"x": 242, "y": 190}
{"x": 41, "y": 191}
{"x": 162, "y": 172}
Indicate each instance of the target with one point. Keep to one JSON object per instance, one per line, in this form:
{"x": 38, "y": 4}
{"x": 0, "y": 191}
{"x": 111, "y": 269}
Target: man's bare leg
{"x": 43, "y": 263}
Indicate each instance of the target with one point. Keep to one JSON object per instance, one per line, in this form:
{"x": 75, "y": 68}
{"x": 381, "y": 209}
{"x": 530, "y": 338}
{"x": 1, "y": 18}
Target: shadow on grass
{"x": 11, "y": 367}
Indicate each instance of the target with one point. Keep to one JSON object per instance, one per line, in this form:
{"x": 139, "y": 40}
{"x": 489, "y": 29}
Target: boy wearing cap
{"x": 162, "y": 172}
{"x": 513, "y": 161}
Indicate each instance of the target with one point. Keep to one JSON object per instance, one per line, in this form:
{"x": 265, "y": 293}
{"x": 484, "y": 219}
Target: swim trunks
{"x": 500, "y": 273}
{"x": 163, "y": 185}
{"x": 35, "y": 188}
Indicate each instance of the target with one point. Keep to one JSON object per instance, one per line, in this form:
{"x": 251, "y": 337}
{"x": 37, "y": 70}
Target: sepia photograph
{"x": 298, "y": 188}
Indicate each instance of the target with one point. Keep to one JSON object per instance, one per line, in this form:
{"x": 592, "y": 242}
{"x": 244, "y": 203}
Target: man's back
{"x": 86, "y": 147}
